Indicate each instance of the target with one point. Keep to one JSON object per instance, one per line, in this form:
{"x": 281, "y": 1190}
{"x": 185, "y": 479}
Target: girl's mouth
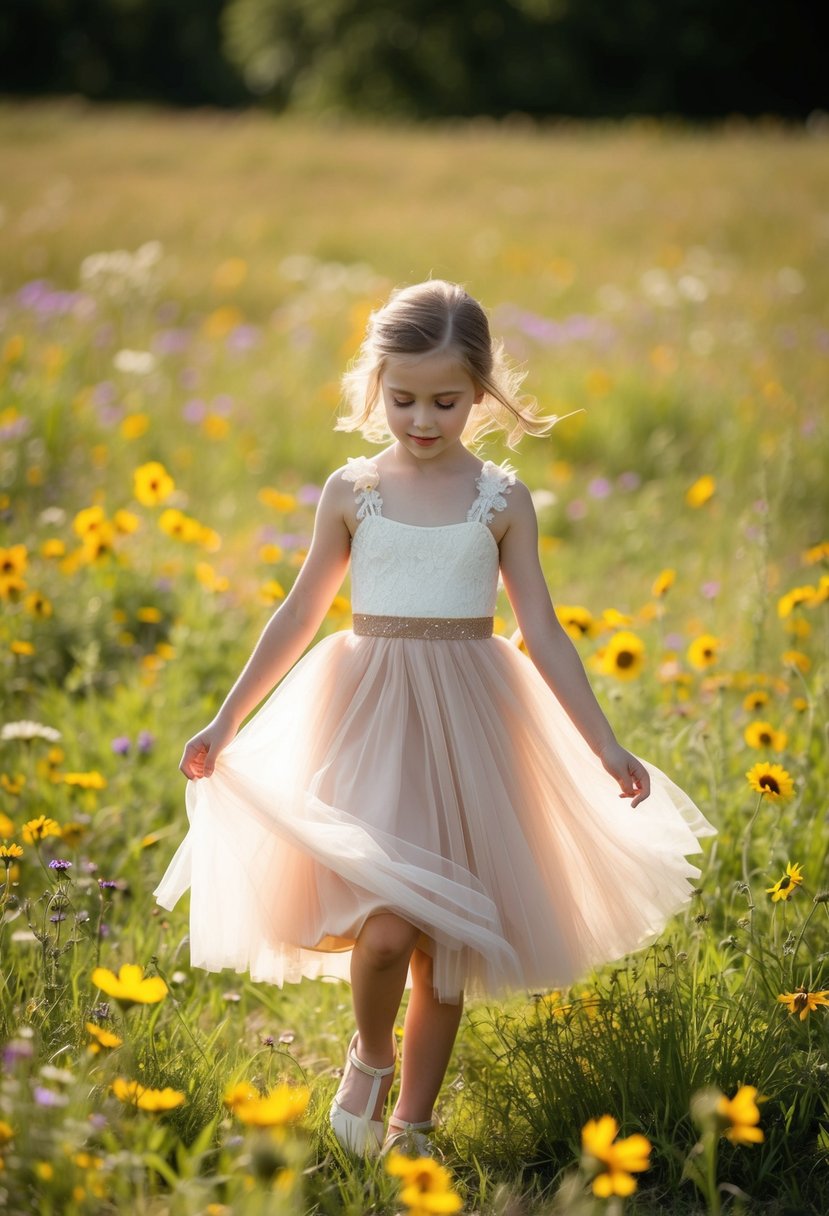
{"x": 424, "y": 441}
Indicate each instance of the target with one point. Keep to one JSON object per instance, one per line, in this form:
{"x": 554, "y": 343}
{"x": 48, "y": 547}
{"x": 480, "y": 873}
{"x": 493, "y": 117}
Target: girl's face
{"x": 428, "y": 399}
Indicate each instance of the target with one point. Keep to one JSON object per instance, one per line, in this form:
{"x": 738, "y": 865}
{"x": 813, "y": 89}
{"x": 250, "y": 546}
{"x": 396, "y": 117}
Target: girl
{"x": 417, "y": 793}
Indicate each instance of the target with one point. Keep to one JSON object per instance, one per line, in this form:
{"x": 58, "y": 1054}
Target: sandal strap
{"x": 376, "y": 1073}
{"x": 426, "y": 1126}
{"x": 367, "y": 1069}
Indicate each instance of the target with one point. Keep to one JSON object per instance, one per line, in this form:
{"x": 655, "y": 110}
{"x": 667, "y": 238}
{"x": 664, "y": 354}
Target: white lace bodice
{"x": 402, "y": 569}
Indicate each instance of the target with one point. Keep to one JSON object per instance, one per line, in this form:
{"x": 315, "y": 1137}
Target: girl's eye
{"x": 444, "y": 405}
{"x": 403, "y": 404}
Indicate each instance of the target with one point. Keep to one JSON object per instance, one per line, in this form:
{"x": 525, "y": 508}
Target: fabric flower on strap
{"x": 363, "y": 472}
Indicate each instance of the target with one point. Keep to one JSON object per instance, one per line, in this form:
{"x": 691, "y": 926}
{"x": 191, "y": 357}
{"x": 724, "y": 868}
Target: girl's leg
{"x": 379, "y": 964}
{"x": 428, "y": 1037}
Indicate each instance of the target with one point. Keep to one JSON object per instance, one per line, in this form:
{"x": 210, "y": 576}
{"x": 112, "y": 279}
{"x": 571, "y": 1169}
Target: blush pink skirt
{"x": 442, "y": 781}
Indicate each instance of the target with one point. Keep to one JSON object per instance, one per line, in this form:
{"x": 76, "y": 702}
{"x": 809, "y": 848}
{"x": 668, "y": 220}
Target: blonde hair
{"x": 432, "y": 317}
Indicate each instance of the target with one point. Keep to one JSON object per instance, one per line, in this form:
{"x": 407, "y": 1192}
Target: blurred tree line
{"x": 425, "y": 58}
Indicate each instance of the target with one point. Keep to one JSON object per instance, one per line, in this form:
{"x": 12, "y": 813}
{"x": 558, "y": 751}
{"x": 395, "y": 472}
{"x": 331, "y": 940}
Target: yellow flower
{"x": 701, "y": 491}
{"x": 578, "y": 622}
{"x": 802, "y": 1002}
{"x": 178, "y": 525}
{"x": 755, "y": 700}
{"x": 135, "y": 1094}
{"x": 126, "y": 522}
{"x": 621, "y": 1159}
{"x": 129, "y": 986}
{"x": 271, "y": 591}
{"x": 704, "y": 651}
{"x": 286, "y": 1104}
{"x": 277, "y": 500}
{"x": 796, "y": 658}
{"x": 134, "y": 426}
{"x": 427, "y": 1185}
{"x": 624, "y": 656}
{"x": 6, "y": 825}
{"x": 13, "y": 560}
{"x": 9, "y": 853}
{"x": 6, "y": 1132}
{"x": 21, "y": 648}
{"x": 103, "y": 1038}
{"x": 73, "y": 833}
{"x": 98, "y": 543}
{"x": 215, "y": 426}
{"x": 763, "y": 734}
{"x": 38, "y": 604}
{"x": 663, "y": 583}
{"x": 770, "y": 779}
{"x": 52, "y": 548}
{"x": 221, "y": 321}
{"x": 786, "y": 886}
{"x": 230, "y": 274}
{"x": 85, "y": 781}
{"x": 743, "y": 1115}
{"x": 36, "y": 829}
{"x": 236, "y": 1095}
{"x": 149, "y": 615}
{"x": 793, "y": 599}
{"x": 209, "y": 579}
{"x": 270, "y": 553}
{"x": 816, "y": 553}
{"x": 44, "y": 1170}
{"x": 152, "y": 483}
{"x": 89, "y": 522}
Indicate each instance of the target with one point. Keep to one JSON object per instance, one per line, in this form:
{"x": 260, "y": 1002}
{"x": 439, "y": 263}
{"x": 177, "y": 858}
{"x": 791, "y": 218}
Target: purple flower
{"x": 121, "y": 745}
{"x": 107, "y": 884}
{"x": 59, "y": 864}
{"x": 145, "y": 741}
{"x": 309, "y": 495}
{"x": 15, "y": 1050}
{"x": 674, "y": 641}
{"x": 193, "y": 410}
{"x": 103, "y": 393}
{"x": 171, "y": 341}
{"x": 599, "y": 487}
{"x": 243, "y": 337}
{"x": 222, "y": 404}
{"x": 57, "y": 917}
{"x": 629, "y": 481}
{"x": 711, "y": 590}
{"x": 48, "y": 1097}
{"x": 268, "y": 1040}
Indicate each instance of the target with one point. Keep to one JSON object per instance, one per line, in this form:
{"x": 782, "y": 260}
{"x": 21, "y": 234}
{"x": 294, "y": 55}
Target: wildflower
{"x": 13, "y": 561}
{"x": 271, "y": 591}
{"x": 793, "y": 599}
{"x": 786, "y": 886}
{"x": 704, "y": 651}
{"x": 72, "y": 833}
{"x": 9, "y": 853}
{"x": 763, "y": 734}
{"x": 59, "y": 864}
{"x": 89, "y": 522}
{"x": 427, "y": 1185}
{"x": 102, "y": 1038}
{"x": 107, "y": 884}
{"x": 152, "y": 483}
{"x": 21, "y": 648}
{"x": 53, "y": 547}
{"x": 38, "y": 829}
{"x": 663, "y": 583}
{"x": 771, "y": 779}
{"x": 742, "y": 1115}
{"x": 121, "y": 745}
{"x": 145, "y": 741}
{"x": 577, "y": 622}
{"x": 25, "y": 730}
{"x": 755, "y": 700}
{"x": 126, "y": 522}
{"x": 798, "y": 660}
{"x": 6, "y": 1132}
{"x": 285, "y": 1104}
{"x": 621, "y": 1159}
{"x": 86, "y": 781}
{"x": 135, "y": 1094}
{"x": 701, "y": 491}
{"x": 803, "y": 1002}
{"x": 129, "y": 986}
{"x": 624, "y": 656}
{"x": 237, "y": 1095}
{"x": 283, "y": 503}
{"x": 38, "y": 605}
{"x": 270, "y": 553}
{"x": 180, "y": 526}
{"x": 816, "y": 553}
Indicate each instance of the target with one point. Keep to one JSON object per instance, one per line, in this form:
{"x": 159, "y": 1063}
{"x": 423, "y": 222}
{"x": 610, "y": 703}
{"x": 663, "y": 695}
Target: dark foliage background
{"x": 425, "y": 58}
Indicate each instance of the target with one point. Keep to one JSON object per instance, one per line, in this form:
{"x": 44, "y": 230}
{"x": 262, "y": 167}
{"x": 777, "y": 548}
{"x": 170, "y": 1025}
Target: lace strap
{"x": 493, "y": 482}
{"x": 363, "y": 473}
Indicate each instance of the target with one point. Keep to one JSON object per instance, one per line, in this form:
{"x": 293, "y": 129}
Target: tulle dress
{"x": 418, "y": 764}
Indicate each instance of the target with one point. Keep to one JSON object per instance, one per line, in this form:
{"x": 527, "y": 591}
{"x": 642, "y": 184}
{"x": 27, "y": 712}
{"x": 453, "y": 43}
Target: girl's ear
{"x": 479, "y": 395}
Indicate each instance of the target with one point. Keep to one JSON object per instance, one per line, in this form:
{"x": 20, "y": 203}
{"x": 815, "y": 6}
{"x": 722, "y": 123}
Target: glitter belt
{"x": 431, "y": 628}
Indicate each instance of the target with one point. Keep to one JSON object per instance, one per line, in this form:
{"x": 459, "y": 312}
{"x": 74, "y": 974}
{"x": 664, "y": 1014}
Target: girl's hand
{"x": 631, "y": 773}
{"x": 200, "y": 752}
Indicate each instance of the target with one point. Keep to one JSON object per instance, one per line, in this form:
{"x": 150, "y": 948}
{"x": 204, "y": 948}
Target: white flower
{"x": 138, "y": 361}
{"x": 27, "y": 730}
{"x": 362, "y": 471}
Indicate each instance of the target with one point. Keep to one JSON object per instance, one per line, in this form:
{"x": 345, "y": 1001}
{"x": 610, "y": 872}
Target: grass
{"x": 667, "y": 284}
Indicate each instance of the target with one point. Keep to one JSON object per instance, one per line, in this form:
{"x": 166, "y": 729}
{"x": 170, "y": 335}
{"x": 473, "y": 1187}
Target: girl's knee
{"x": 387, "y": 939}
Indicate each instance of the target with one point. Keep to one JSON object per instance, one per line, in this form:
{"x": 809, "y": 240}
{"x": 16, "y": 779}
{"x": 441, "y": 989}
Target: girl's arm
{"x": 287, "y": 633}
{"x": 551, "y": 650}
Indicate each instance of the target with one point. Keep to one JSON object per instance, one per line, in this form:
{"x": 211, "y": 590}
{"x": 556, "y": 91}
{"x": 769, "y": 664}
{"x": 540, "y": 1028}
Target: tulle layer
{"x": 441, "y": 781}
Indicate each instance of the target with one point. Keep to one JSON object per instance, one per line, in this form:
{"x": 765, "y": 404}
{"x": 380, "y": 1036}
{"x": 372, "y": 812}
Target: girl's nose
{"x": 422, "y": 417}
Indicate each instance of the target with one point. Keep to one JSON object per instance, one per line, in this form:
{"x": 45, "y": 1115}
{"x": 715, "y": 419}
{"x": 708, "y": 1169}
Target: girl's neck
{"x": 456, "y": 459}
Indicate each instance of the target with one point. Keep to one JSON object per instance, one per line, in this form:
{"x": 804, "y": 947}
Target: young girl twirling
{"x": 418, "y": 803}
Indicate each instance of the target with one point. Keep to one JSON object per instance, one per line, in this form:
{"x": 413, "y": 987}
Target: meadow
{"x": 179, "y": 294}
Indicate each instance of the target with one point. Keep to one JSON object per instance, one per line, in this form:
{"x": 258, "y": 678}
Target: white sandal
{"x": 360, "y": 1134}
{"x": 410, "y": 1138}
